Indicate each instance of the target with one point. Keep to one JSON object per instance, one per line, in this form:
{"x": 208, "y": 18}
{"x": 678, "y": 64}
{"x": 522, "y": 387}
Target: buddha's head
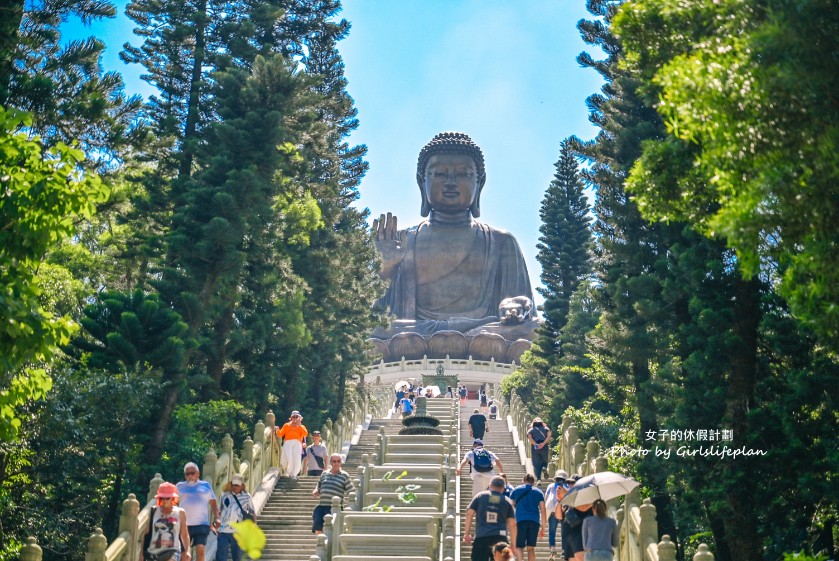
{"x": 451, "y": 174}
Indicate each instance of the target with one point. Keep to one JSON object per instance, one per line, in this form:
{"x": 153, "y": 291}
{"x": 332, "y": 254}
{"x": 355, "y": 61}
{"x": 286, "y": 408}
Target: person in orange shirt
{"x": 294, "y": 435}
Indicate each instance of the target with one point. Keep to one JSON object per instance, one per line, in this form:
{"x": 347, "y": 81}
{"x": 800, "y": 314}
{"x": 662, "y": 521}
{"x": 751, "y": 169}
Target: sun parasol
{"x": 603, "y": 485}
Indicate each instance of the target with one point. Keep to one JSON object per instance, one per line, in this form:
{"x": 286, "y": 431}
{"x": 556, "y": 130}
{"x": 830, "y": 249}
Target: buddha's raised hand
{"x": 391, "y": 243}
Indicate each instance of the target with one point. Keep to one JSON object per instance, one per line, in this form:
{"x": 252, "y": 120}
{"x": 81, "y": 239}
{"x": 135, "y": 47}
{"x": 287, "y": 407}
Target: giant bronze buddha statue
{"x": 451, "y": 272}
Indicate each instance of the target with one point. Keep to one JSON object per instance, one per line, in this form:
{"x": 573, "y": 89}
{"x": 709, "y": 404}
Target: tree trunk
{"x": 741, "y": 526}
{"x": 11, "y": 16}
{"x": 154, "y": 449}
{"x": 192, "y": 115}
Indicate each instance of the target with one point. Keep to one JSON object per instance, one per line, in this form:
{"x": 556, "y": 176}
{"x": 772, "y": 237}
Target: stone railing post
{"x": 361, "y": 488}
{"x": 571, "y": 435}
{"x": 578, "y": 457}
{"x": 259, "y": 444}
{"x": 702, "y": 554}
{"x": 449, "y": 533}
{"x": 592, "y": 451}
{"x": 153, "y": 485}
{"x": 666, "y": 549}
{"x": 208, "y": 472}
{"x": 382, "y": 446}
{"x": 320, "y": 548}
{"x": 601, "y": 463}
{"x": 31, "y": 551}
{"x": 128, "y": 523}
{"x": 96, "y": 546}
{"x": 254, "y": 474}
{"x": 649, "y": 527}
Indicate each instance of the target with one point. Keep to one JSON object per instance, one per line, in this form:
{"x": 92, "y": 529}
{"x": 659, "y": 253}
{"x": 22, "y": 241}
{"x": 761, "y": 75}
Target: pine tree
{"x": 563, "y": 249}
{"x": 63, "y": 86}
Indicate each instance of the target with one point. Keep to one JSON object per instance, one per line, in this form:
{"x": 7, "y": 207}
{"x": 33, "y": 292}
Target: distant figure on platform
{"x": 462, "y": 393}
{"x": 483, "y": 399}
{"x": 493, "y": 409}
{"x": 482, "y": 462}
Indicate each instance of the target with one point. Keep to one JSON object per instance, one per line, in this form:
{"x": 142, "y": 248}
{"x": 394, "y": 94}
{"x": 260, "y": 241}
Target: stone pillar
{"x": 666, "y": 549}
{"x": 128, "y": 523}
{"x": 209, "y": 470}
{"x": 702, "y": 554}
{"x": 592, "y": 451}
{"x": 153, "y": 485}
{"x": 320, "y": 548}
{"x": 96, "y": 546}
{"x": 31, "y": 551}
{"x": 578, "y": 457}
{"x": 601, "y": 464}
{"x": 382, "y": 448}
{"x": 648, "y": 527}
{"x": 254, "y": 475}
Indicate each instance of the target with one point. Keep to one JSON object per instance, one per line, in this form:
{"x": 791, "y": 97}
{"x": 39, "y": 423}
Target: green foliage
{"x": 801, "y": 556}
{"x": 747, "y": 95}
{"x": 44, "y": 193}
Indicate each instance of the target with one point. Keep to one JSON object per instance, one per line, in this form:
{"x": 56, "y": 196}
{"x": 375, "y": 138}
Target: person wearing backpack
{"x": 236, "y": 506}
{"x": 482, "y": 462}
{"x": 539, "y": 436}
{"x": 493, "y": 409}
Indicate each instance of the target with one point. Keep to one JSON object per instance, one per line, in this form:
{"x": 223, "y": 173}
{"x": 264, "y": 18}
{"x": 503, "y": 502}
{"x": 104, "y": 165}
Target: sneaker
{"x": 552, "y": 556}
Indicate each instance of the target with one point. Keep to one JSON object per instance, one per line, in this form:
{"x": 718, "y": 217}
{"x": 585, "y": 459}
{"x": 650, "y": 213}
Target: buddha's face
{"x": 451, "y": 182}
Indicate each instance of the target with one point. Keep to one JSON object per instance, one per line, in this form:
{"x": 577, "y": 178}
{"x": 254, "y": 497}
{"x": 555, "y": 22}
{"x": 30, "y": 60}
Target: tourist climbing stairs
{"x": 409, "y": 532}
{"x": 498, "y": 440}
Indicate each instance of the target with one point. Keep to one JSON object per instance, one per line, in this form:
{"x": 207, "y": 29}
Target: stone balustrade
{"x": 257, "y": 460}
{"x": 636, "y": 518}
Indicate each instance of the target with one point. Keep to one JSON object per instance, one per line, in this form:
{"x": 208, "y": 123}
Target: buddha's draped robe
{"x": 466, "y": 289}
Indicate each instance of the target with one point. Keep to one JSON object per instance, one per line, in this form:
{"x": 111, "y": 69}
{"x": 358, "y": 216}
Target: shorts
{"x": 198, "y": 534}
{"x": 315, "y": 472}
{"x": 318, "y": 515}
{"x": 527, "y": 532}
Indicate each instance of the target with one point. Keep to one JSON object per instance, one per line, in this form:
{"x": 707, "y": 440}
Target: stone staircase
{"x": 499, "y": 440}
{"x": 286, "y": 518}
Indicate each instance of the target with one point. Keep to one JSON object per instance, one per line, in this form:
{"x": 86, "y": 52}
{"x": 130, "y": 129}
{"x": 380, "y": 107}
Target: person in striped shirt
{"x": 333, "y": 483}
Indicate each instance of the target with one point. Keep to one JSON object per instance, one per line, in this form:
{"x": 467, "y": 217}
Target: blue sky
{"x": 503, "y": 72}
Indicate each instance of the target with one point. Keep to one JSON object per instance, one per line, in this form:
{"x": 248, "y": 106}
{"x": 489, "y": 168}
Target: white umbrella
{"x": 603, "y": 485}
{"x": 401, "y": 385}
{"x": 435, "y": 390}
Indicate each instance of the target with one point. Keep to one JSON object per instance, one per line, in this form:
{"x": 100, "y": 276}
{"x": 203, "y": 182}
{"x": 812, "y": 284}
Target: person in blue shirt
{"x": 531, "y": 517}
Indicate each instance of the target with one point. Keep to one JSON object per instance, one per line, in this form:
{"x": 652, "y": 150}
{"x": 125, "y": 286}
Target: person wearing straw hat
{"x": 168, "y": 537}
{"x": 294, "y": 443}
{"x": 236, "y": 506}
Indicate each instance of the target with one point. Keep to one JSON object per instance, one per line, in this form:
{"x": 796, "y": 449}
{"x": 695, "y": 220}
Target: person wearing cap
{"x": 236, "y": 503}
{"x": 539, "y": 436}
{"x": 316, "y": 456}
{"x": 553, "y": 495}
{"x": 197, "y": 498}
{"x": 168, "y": 537}
{"x": 495, "y": 520}
{"x": 294, "y": 436}
{"x": 480, "y": 479}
